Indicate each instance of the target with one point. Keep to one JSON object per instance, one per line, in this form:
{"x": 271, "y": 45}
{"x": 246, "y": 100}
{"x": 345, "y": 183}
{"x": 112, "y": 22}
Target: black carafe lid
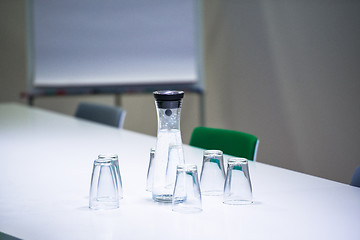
{"x": 168, "y": 98}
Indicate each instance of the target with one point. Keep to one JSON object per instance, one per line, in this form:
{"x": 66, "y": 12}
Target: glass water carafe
{"x": 169, "y": 150}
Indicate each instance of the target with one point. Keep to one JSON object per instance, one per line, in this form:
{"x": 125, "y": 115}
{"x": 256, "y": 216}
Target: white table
{"x": 45, "y": 167}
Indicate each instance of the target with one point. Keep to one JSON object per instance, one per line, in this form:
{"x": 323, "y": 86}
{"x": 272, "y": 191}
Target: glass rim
{"x": 106, "y": 161}
{"x": 238, "y": 201}
{"x": 186, "y": 167}
{"x": 111, "y": 156}
{"x": 237, "y": 161}
{"x": 213, "y": 152}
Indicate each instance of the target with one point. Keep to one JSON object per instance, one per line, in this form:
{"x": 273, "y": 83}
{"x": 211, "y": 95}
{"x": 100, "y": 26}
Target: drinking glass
{"x": 187, "y": 195}
{"x": 115, "y": 159}
{"x": 150, "y": 172}
{"x": 212, "y": 176}
{"x": 237, "y": 188}
{"x": 104, "y": 190}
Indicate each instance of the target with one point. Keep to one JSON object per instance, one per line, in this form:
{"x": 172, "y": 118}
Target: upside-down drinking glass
{"x": 150, "y": 172}
{"x": 104, "y": 189}
{"x": 187, "y": 195}
{"x": 212, "y": 176}
{"x": 115, "y": 159}
{"x": 237, "y": 189}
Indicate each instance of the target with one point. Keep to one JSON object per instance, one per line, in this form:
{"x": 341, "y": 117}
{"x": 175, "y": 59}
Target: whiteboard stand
{"x": 32, "y": 95}
{"x": 118, "y": 100}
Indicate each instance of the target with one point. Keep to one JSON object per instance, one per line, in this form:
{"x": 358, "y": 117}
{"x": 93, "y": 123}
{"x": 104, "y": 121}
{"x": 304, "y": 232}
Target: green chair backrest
{"x": 231, "y": 142}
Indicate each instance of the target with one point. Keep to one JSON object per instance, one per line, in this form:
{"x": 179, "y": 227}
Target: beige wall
{"x": 286, "y": 71}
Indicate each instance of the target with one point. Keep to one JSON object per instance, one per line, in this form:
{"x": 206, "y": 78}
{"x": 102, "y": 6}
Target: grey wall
{"x": 286, "y": 71}
{"x": 12, "y": 49}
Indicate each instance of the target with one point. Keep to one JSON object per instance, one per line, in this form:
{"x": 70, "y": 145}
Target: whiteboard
{"x": 115, "y": 43}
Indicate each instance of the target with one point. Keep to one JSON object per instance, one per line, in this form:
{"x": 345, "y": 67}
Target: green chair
{"x": 235, "y": 143}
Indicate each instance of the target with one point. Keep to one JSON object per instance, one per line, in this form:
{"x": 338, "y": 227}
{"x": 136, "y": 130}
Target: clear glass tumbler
{"x": 187, "y": 195}
{"x": 212, "y": 176}
{"x": 237, "y": 188}
{"x": 115, "y": 159}
{"x": 150, "y": 172}
{"x": 104, "y": 193}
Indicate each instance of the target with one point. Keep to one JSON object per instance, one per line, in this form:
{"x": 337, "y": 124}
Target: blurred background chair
{"x": 355, "y": 181}
{"x": 231, "y": 142}
{"x": 109, "y": 115}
